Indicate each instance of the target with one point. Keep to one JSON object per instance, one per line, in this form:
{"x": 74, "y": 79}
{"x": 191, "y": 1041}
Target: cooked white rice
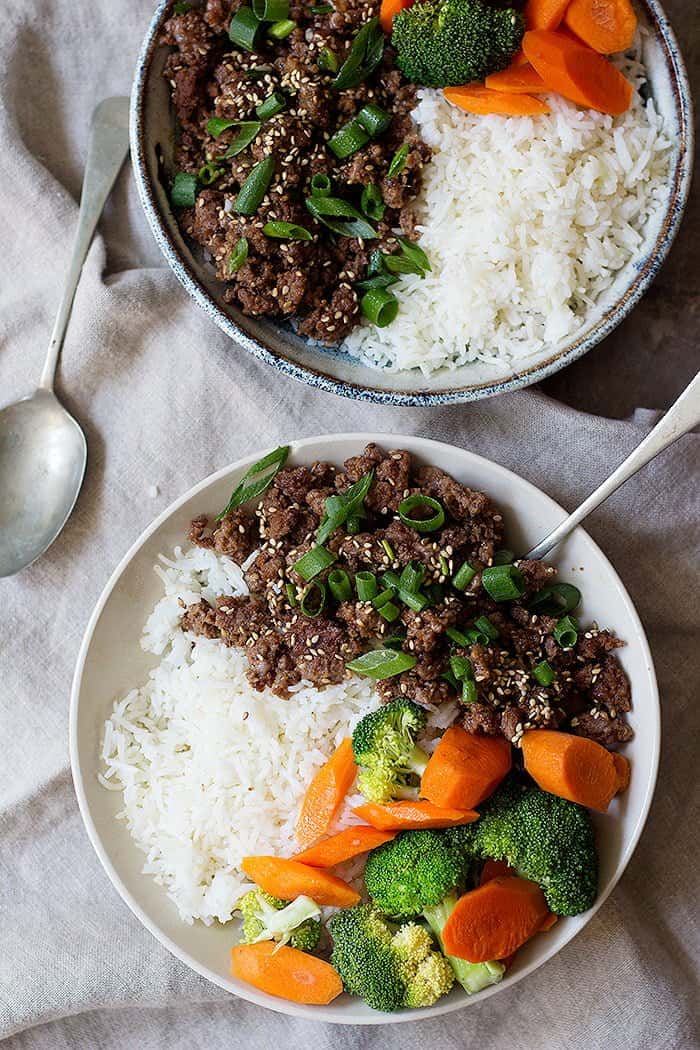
{"x": 211, "y": 770}
{"x": 526, "y": 221}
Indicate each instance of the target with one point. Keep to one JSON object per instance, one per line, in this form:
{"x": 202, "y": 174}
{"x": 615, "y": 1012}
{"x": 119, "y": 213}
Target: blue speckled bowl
{"x": 151, "y": 147}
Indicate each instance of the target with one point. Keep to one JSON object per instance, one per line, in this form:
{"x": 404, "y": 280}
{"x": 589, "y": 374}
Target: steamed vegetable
{"x": 477, "y": 99}
{"x": 344, "y": 846}
{"x": 494, "y": 920}
{"x": 443, "y": 42}
{"x": 267, "y": 918}
{"x": 465, "y": 768}
{"x": 577, "y": 72}
{"x": 408, "y": 815}
{"x": 286, "y": 973}
{"x": 388, "y": 11}
{"x": 388, "y": 967}
{"x": 574, "y": 767}
{"x": 516, "y": 80}
{"x": 384, "y": 746}
{"x": 544, "y": 838}
{"x": 605, "y": 25}
{"x": 544, "y": 14}
{"x": 288, "y": 879}
{"x": 325, "y": 794}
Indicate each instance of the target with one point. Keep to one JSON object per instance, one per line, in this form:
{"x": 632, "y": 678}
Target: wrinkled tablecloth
{"x": 165, "y": 399}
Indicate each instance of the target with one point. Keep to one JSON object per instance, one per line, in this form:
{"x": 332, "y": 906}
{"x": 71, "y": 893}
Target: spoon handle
{"x": 107, "y": 148}
{"x": 681, "y": 417}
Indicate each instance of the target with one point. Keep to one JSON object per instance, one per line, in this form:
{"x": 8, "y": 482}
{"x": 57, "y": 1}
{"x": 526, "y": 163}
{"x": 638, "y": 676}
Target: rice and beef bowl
{"x": 356, "y": 679}
{"x": 423, "y": 184}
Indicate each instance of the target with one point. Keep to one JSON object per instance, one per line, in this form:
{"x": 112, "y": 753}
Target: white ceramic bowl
{"x": 111, "y": 662}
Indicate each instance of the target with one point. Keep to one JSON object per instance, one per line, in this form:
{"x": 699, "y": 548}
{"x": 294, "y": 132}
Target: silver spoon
{"x": 43, "y": 452}
{"x": 682, "y": 416}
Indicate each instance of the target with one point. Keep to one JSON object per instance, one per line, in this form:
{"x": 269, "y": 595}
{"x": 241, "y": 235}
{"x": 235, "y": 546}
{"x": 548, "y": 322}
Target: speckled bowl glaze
{"x": 152, "y": 136}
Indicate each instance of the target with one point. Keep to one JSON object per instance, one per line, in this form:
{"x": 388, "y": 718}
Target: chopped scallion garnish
{"x": 543, "y": 672}
{"x": 238, "y": 256}
{"x": 256, "y": 479}
{"x": 388, "y": 550}
{"x": 412, "y": 577}
{"x": 457, "y": 636}
{"x": 248, "y": 129}
{"x": 557, "y": 599}
{"x": 348, "y": 139}
{"x": 366, "y": 585}
{"x": 183, "y": 191}
{"x": 340, "y": 216}
{"x": 503, "y": 557}
{"x": 383, "y": 597}
{"x": 344, "y": 506}
{"x": 291, "y": 594}
{"x": 566, "y": 632}
{"x": 379, "y": 306}
{"x": 464, "y": 576}
{"x": 364, "y": 56}
{"x": 209, "y": 173}
{"x": 382, "y": 663}
{"x": 503, "y": 583}
{"x": 374, "y": 119}
{"x": 281, "y": 30}
{"x": 327, "y": 60}
{"x": 372, "y": 202}
{"x": 394, "y": 641}
{"x": 469, "y": 691}
{"x": 272, "y": 105}
{"x": 321, "y": 185}
{"x": 461, "y": 667}
{"x": 339, "y": 585}
{"x": 244, "y": 28}
{"x": 486, "y": 630}
{"x": 389, "y": 611}
{"x": 313, "y": 600}
{"x": 424, "y": 524}
{"x": 398, "y": 161}
{"x": 255, "y": 186}
{"x": 271, "y": 10}
{"x": 287, "y": 231}
{"x": 313, "y": 562}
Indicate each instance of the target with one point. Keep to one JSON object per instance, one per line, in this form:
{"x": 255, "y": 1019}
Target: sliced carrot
{"x": 518, "y": 80}
{"x": 574, "y": 767}
{"x": 343, "y": 846}
{"x": 495, "y": 869}
{"x": 605, "y": 25}
{"x": 325, "y": 794}
{"x": 577, "y": 72}
{"x": 289, "y": 879}
{"x": 549, "y": 922}
{"x": 408, "y": 816}
{"x": 465, "y": 768}
{"x": 474, "y": 98}
{"x": 388, "y": 11}
{"x": 544, "y": 14}
{"x": 494, "y": 920}
{"x": 286, "y": 972}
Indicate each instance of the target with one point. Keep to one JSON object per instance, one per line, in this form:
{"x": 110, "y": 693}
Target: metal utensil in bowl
{"x": 43, "y": 451}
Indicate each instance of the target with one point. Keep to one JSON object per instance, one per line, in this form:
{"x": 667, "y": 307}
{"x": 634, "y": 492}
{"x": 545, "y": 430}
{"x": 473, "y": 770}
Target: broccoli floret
{"x": 443, "y": 42}
{"x": 417, "y": 874}
{"x": 545, "y": 838}
{"x": 388, "y": 968}
{"x": 384, "y": 746}
{"x": 267, "y": 918}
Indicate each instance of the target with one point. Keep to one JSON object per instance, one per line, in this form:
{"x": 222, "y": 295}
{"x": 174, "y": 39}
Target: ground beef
{"x": 426, "y": 629}
{"x": 481, "y": 718}
{"x": 321, "y": 648}
{"x": 267, "y": 568}
{"x": 611, "y": 688}
{"x": 235, "y": 534}
{"x": 271, "y": 665}
{"x": 426, "y": 692}
{"x": 599, "y": 726}
{"x": 200, "y": 619}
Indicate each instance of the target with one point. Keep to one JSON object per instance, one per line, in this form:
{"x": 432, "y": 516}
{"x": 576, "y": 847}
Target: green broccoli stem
{"x": 417, "y": 761}
{"x": 472, "y": 976}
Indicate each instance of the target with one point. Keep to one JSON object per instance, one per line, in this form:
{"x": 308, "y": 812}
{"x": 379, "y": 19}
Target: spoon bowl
{"x": 43, "y": 454}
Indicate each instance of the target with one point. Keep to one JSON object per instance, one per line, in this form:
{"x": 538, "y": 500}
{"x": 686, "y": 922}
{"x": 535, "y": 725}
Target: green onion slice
{"x": 271, "y": 106}
{"x": 469, "y": 691}
{"x": 287, "y": 231}
{"x": 375, "y": 263}
{"x": 557, "y": 599}
{"x": 398, "y": 161}
{"x": 321, "y": 185}
{"x": 238, "y": 256}
{"x": 313, "y": 562}
{"x": 566, "y": 632}
{"x": 543, "y": 673}
{"x": 412, "y": 577}
{"x": 217, "y": 125}
{"x": 255, "y": 187}
{"x": 281, "y": 30}
{"x": 181, "y": 7}
{"x": 412, "y": 503}
{"x": 449, "y": 677}
{"x": 366, "y": 585}
{"x": 244, "y": 29}
{"x": 327, "y": 60}
{"x": 353, "y": 524}
{"x": 364, "y": 56}
{"x": 255, "y": 72}
{"x": 183, "y": 191}
{"x": 383, "y": 597}
{"x": 457, "y": 636}
{"x": 209, "y": 173}
{"x": 256, "y": 479}
{"x": 503, "y": 557}
{"x": 291, "y": 594}
{"x": 322, "y": 9}
{"x": 382, "y": 280}
{"x": 394, "y": 641}
{"x": 397, "y": 264}
{"x": 415, "y": 254}
{"x": 503, "y": 583}
{"x": 348, "y": 139}
{"x": 339, "y": 585}
{"x": 389, "y": 611}
{"x": 271, "y": 10}
{"x": 248, "y": 130}
{"x": 461, "y": 667}
{"x": 379, "y": 306}
{"x": 340, "y": 216}
{"x": 374, "y": 119}
{"x": 343, "y": 506}
{"x": 464, "y": 576}
{"x": 488, "y": 631}
{"x": 313, "y": 600}
{"x": 382, "y": 663}
{"x": 372, "y": 202}
{"x": 414, "y": 600}
{"x": 388, "y": 549}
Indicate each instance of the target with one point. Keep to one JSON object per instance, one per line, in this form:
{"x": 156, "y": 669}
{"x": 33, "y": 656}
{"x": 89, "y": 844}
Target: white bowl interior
{"x": 111, "y": 662}
{"x": 158, "y": 135}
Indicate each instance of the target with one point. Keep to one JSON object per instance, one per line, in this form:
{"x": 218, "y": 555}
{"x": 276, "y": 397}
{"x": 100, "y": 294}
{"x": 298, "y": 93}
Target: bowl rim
{"x": 317, "y": 377}
{"x": 251, "y": 994}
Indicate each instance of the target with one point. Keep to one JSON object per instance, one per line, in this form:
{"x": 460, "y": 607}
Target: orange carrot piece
{"x": 286, "y": 972}
{"x": 474, "y": 98}
{"x": 494, "y": 920}
{"x": 518, "y": 80}
{"x": 343, "y": 846}
{"x": 605, "y": 25}
{"x": 388, "y": 11}
{"x": 548, "y": 922}
{"x": 495, "y": 869}
{"x": 289, "y": 879}
{"x": 325, "y": 794}
{"x": 574, "y": 767}
{"x": 409, "y": 816}
{"x": 577, "y": 72}
{"x": 465, "y": 768}
{"x": 544, "y": 14}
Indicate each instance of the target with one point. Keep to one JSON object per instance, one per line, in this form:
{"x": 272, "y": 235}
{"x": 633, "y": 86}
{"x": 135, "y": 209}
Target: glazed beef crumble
{"x": 312, "y": 280}
{"x": 589, "y": 694}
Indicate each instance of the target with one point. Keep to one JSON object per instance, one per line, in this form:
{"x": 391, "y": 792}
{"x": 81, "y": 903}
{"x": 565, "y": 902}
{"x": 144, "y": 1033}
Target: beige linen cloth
{"x": 165, "y": 399}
